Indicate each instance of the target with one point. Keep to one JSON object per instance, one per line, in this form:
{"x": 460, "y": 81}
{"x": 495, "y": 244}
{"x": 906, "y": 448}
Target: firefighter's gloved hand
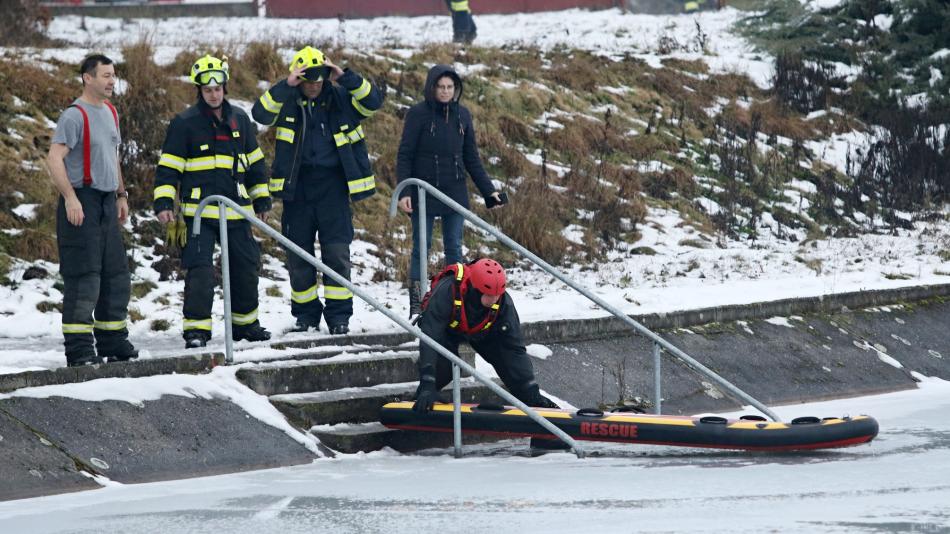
{"x": 177, "y": 232}
{"x": 532, "y": 397}
{"x": 262, "y": 205}
{"x": 426, "y": 395}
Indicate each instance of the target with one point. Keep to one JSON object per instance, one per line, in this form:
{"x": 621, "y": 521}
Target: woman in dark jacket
{"x": 438, "y": 146}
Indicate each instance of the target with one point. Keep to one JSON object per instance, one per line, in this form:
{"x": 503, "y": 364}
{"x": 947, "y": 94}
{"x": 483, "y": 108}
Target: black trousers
{"x": 320, "y": 213}
{"x": 95, "y": 270}
{"x": 463, "y": 25}
{"x": 515, "y": 370}
{"x": 244, "y": 257}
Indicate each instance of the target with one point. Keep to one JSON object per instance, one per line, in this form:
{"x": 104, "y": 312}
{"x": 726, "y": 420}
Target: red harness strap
{"x": 87, "y": 142}
{"x": 458, "y": 320}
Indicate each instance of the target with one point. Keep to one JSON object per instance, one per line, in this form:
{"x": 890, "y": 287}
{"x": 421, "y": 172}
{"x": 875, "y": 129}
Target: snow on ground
{"x": 607, "y": 32}
{"x": 897, "y": 483}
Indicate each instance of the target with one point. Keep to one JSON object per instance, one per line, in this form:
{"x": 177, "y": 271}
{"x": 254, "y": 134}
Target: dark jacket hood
{"x": 435, "y": 73}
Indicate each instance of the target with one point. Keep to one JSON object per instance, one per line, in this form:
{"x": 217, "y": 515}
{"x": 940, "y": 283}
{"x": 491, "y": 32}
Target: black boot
{"x": 415, "y": 298}
{"x": 305, "y": 323}
{"x": 251, "y": 332}
{"x": 82, "y": 356}
{"x": 119, "y": 350}
{"x": 196, "y": 338}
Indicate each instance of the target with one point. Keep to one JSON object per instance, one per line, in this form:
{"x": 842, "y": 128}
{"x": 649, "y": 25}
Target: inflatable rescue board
{"x": 753, "y": 433}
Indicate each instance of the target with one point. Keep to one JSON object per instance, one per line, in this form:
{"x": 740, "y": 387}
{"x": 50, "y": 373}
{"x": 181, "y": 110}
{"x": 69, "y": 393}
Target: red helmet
{"x": 488, "y": 276}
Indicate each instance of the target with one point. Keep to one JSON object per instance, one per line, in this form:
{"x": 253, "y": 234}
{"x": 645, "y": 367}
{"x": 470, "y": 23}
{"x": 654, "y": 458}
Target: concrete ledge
{"x": 31, "y": 465}
{"x": 579, "y": 329}
{"x": 170, "y": 438}
{"x": 199, "y": 363}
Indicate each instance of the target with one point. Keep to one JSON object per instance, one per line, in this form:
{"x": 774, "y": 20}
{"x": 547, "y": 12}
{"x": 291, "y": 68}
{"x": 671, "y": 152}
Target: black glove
{"x": 532, "y": 397}
{"x": 426, "y": 395}
{"x": 262, "y": 205}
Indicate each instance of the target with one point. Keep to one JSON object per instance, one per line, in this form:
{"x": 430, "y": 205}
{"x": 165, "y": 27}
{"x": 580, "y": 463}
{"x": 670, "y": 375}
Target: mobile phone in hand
{"x": 490, "y": 201}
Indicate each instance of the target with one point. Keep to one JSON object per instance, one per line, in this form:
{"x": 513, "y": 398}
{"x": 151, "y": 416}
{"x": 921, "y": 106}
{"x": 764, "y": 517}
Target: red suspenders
{"x": 87, "y": 142}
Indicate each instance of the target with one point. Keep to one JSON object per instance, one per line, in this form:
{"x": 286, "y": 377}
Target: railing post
{"x": 457, "y": 411}
{"x": 423, "y": 241}
{"x": 657, "y": 374}
{"x": 225, "y": 281}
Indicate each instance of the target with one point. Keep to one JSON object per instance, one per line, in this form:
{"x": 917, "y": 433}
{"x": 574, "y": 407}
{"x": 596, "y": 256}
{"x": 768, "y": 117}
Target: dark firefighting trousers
{"x": 515, "y": 370}
{"x": 95, "y": 270}
{"x": 244, "y": 256}
{"x": 323, "y": 212}
{"x": 463, "y": 25}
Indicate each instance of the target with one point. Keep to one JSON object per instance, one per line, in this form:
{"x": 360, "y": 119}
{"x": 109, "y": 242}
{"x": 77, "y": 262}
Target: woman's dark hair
{"x": 91, "y": 63}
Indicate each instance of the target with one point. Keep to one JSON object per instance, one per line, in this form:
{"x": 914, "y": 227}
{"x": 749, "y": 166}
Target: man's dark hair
{"x": 91, "y": 63}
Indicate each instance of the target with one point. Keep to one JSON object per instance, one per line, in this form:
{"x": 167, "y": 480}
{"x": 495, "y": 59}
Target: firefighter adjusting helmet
{"x": 488, "y": 277}
{"x": 209, "y": 70}
{"x": 314, "y": 62}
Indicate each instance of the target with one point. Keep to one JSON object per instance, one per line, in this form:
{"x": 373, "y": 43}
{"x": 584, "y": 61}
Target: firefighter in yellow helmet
{"x": 320, "y": 165}
{"x": 211, "y": 149}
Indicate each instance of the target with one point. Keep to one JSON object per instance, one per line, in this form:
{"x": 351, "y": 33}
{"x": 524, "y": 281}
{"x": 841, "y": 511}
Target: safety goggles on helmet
{"x": 316, "y": 74}
{"x": 209, "y": 70}
{"x": 212, "y": 77}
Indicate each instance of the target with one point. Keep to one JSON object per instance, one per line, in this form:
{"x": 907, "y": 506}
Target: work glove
{"x": 532, "y": 397}
{"x": 262, "y": 205}
{"x": 177, "y": 232}
{"x": 426, "y": 395}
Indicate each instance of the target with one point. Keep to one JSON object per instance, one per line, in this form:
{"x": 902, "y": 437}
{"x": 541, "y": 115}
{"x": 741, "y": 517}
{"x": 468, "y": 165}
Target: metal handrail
{"x": 657, "y": 340}
{"x": 336, "y": 277}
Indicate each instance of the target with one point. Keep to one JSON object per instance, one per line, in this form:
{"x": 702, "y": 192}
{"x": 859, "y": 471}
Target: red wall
{"x": 378, "y": 8}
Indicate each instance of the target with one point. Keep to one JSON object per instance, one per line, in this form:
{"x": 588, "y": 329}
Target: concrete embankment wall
{"x": 779, "y": 352}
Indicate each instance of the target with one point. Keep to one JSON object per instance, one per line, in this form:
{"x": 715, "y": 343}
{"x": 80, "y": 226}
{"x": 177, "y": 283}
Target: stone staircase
{"x": 337, "y": 394}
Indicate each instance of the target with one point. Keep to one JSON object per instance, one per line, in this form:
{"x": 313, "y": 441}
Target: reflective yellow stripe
{"x": 172, "y": 162}
{"x": 361, "y": 184}
{"x": 285, "y": 134}
{"x": 356, "y": 135}
{"x": 77, "y": 328}
{"x": 256, "y": 155}
{"x": 460, "y": 6}
{"x": 459, "y": 272}
{"x": 691, "y": 6}
{"x": 453, "y": 324}
{"x": 359, "y": 107}
{"x": 360, "y": 92}
{"x": 110, "y": 325}
{"x": 219, "y": 161}
{"x": 259, "y": 191}
{"x": 165, "y": 191}
{"x": 242, "y": 191}
{"x": 336, "y": 293}
{"x": 275, "y": 185}
{"x": 340, "y": 139}
{"x": 305, "y": 296}
{"x": 242, "y": 163}
{"x": 242, "y": 319}
{"x": 269, "y": 103}
{"x": 210, "y": 212}
{"x": 196, "y": 193}
{"x": 198, "y": 324}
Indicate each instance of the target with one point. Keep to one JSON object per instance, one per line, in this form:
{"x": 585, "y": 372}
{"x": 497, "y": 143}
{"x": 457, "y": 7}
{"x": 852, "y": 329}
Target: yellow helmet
{"x": 210, "y": 70}
{"x": 313, "y": 60}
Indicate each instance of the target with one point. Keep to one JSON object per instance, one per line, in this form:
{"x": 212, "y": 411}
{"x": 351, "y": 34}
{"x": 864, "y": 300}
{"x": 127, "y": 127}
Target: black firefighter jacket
{"x": 203, "y": 156}
{"x": 353, "y": 100}
{"x": 438, "y": 146}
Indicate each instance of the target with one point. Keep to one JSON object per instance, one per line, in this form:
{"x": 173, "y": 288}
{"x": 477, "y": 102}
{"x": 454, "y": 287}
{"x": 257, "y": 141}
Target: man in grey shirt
{"x": 84, "y": 166}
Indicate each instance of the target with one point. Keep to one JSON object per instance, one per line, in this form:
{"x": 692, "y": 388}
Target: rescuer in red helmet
{"x": 469, "y": 303}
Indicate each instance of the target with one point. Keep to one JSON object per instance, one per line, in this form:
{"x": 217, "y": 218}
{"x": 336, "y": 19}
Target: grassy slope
{"x": 708, "y": 136}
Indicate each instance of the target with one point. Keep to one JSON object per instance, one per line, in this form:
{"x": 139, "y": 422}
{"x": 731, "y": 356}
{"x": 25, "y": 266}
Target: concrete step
{"x": 337, "y": 372}
{"x": 361, "y": 405}
{"x": 368, "y": 437}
